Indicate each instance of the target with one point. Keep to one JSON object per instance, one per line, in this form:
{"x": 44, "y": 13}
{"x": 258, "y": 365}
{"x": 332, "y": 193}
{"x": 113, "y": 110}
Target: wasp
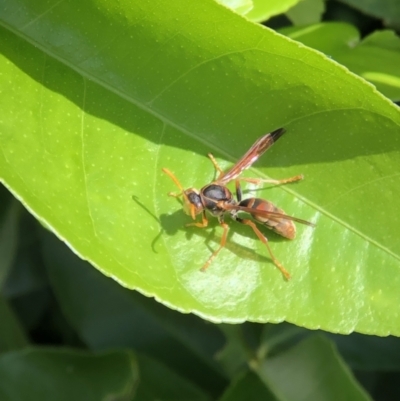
{"x": 216, "y": 199}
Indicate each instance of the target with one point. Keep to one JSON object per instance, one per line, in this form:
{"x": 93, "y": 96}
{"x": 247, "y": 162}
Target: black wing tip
{"x": 277, "y": 133}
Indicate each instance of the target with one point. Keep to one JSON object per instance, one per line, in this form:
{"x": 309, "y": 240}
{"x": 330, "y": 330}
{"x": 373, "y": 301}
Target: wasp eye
{"x": 194, "y": 199}
{"x": 192, "y": 204}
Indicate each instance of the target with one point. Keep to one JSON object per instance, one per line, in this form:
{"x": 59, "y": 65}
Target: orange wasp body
{"x": 218, "y": 200}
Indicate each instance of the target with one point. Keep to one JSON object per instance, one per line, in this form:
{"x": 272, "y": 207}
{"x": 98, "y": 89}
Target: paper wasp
{"x": 218, "y": 200}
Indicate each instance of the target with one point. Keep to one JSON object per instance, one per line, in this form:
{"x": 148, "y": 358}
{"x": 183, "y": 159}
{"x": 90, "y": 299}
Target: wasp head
{"x": 192, "y": 204}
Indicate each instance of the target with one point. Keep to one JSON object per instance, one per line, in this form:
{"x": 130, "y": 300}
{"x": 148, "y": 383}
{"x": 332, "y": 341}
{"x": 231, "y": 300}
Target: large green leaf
{"x": 9, "y": 213}
{"x": 112, "y": 92}
{"x": 158, "y": 382}
{"x": 312, "y": 370}
{"x": 306, "y": 12}
{"x": 239, "y": 6}
{"x": 12, "y": 335}
{"x": 369, "y": 352}
{"x": 248, "y": 386}
{"x": 263, "y": 10}
{"x": 387, "y": 10}
{"x": 49, "y": 374}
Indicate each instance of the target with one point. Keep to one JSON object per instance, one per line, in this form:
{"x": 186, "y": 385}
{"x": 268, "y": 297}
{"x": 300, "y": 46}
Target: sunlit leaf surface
{"x": 97, "y": 97}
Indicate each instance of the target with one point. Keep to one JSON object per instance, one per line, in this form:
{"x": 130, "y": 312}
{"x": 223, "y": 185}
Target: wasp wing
{"x": 265, "y": 213}
{"x": 251, "y": 156}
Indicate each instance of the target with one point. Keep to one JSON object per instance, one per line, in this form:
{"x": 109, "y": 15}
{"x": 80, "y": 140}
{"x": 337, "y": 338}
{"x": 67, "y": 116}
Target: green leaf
{"x": 239, "y": 6}
{"x": 157, "y": 382}
{"x": 376, "y": 58}
{"x": 361, "y": 352}
{"x": 26, "y": 282}
{"x": 46, "y": 374}
{"x": 12, "y": 336}
{"x": 306, "y": 12}
{"x": 113, "y": 92}
{"x": 105, "y": 315}
{"x": 387, "y": 10}
{"x": 236, "y": 353}
{"x": 27, "y": 273}
{"x": 312, "y": 370}
{"x": 369, "y": 352}
{"x": 276, "y": 338}
{"x": 9, "y": 214}
{"x": 263, "y": 10}
{"x": 247, "y": 386}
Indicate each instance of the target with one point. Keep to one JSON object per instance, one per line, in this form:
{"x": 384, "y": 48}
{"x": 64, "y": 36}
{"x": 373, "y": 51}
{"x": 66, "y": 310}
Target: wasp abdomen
{"x": 280, "y": 225}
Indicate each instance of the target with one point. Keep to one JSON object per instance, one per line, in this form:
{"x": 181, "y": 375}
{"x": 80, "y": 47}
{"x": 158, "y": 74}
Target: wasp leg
{"x": 221, "y": 245}
{"x": 203, "y": 224}
{"x": 258, "y": 181}
{"x": 216, "y": 165}
{"x": 174, "y": 194}
{"x": 238, "y": 191}
{"x": 264, "y": 240}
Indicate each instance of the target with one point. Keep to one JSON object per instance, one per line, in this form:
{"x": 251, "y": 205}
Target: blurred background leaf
{"x": 248, "y": 386}
{"x": 320, "y": 373}
{"x": 387, "y": 10}
{"x": 35, "y": 374}
{"x": 306, "y": 12}
{"x": 12, "y": 335}
{"x": 263, "y": 10}
{"x": 376, "y": 58}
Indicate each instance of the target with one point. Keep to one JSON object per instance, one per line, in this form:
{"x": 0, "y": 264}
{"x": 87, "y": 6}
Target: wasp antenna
{"x": 174, "y": 179}
{"x": 177, "y": 183}
{"x": 277, "y": 133}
